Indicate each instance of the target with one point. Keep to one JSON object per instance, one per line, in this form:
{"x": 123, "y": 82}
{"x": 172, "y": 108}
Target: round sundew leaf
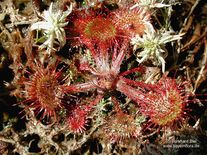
{"x": 100, "y": 29}
{"x": 43, "y": 93}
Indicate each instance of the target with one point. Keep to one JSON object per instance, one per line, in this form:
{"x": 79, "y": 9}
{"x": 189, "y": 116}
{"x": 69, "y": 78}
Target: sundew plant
{"x": 103, "y": 77}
